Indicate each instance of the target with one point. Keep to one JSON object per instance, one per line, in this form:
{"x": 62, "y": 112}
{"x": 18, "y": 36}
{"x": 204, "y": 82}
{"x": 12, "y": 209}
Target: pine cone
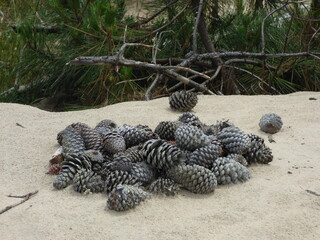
{"x": 234, "y": 140}
{"x": 161, "y": 155}
{"x": 70, "y": 166}
{"x": 106, "y": 123}
{"x": 229, "y": 171}
{"x": 114, "y": 178}
{"x": 270, "y": 123}
{"x": 166, "y": 129}
{"x": 221, "y": 125}
{"x": 134, "y": 136}
{"x": 134, "y": 154}
{"x": 113, "y": 142}
{"x": 238, "y": 158}
{"x": 163, "y": 186}
{"x": 258, "y": 152}
{"x": 194, "y": 178}
{"x": 71, "y": 140}
{"x": 92, "y": 139}
{"x": 125, "y": 197}
{"x": 205, "y": 156}
{"x": 190, "y": 138}
{"x": 87, "y": 181}
{"x": 183, "y": 101}
{"x": 191, "y": 119}
{"x": 143, "y": 172}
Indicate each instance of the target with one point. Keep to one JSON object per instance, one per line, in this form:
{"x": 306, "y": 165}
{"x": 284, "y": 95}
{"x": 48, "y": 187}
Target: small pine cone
{"x": 92, "y": 139}
{"x": 194, "y": 178}
{"x": 166, "y": 129}
{"x": 134, "y": 136}
{"x": 258, "y": 152}
{"x": 238, "y": 158}
{"x": 234, "y": 140}
{"x": 221, "y": 125}
{"x": 134, "y": 154}
{"x": 114, "y": 178}
{"x": 191, "y": 119}
{"x": 205, "y": 156}
{"x": 125, "y": 166}
{"x": 146, "y": 128}
{"x": 87, "y": 181}
{"x": 54, "y": 169}
{"x": 71, "y": 140}
{"x": 183, "y": 101}
{"x": 106, "y": 123}
{"x": 229, "y": 171}
{"x": 125, "y": 197}
{"x": 113, "y": 142}
{"x": 96, "y": 159}
{"x": 163, "y": 186}
{"x": 161, "y": 155}
{"x": 143, "y": 172}
{"x": 210, "y": 130}
{"x": 270, "y": 123}
{"x": 190, "y": 138}
{"x": 70, "y": 166}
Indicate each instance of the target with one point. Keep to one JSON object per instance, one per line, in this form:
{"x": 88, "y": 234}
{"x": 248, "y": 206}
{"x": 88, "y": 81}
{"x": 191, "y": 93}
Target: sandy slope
{"x": 272, "y": 205}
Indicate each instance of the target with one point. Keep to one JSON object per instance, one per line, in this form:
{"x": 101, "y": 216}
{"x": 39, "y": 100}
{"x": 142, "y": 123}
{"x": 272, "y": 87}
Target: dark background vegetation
{"x": 38, "y": 38}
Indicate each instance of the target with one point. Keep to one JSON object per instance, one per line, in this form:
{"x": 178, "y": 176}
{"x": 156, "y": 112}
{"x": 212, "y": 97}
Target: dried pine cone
{"x": 221, "y": 125}
{"x": 190, "y": 138}
{"x": 161, "y": 155}
{"x": 234, "y": 140}
{"x": 258, "y": 152}
{"x": 71, "y": 140}
{"x": 166, "y": 129}
{"x": 114, "y": 178}
{"x": 134, "y": 136}
{"x": 92, "y": 139}
{"x": 183, "y": 101}
{"x": 194, "y": 178}
{"x": 238, "y": 158}
{"x": 229, "y": 171}
{"x": 134, "y": 154}
{"x": 106, "y": 123}
{"x": 270, "y": 123}
{"x": 113, "y": 142}
{"x": 205, "y": 156}
{"x": 125, "y": 197}
{"x": 143, "y": 172}
{"x": 87, "y": 181}
{"x": 192, "y": 119}
{"x": 70, "y": 166}
{"x": 163, "y": 186}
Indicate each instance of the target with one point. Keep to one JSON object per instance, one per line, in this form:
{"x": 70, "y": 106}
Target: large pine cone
{"x": 92, "y": 139}
{"x": 70, "y": 166}
{"x": 161, "y": 155}
{"x": 194, "y": 178}
{"x": 125, "y": 197}
{"x": 205, "y": 156}
{"x": 270, "y": 123}
{"x": 113, "y": 142}
{"x": 166, "y": 129}
{"x": 190, "y": 138}
{"x": 114, "y": 178}
{"x": 163, "y": 186}
{"x": 134, "y": 136}
{"x": 183, "y": 101}
{"x": 71, "y": 140}
{"x": 87, "y": 181}
{"x": 229, "y": 171}
{"x": 258, "y": 152}
{"x": 234, "y": 140}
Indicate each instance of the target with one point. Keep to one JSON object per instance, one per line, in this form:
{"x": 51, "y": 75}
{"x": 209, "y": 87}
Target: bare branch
{"x": 195, "y": 28}
{"x": 148, "y": 94}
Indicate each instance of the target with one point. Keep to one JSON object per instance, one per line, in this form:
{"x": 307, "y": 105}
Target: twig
{"x": 252, "y": 74}
{"x": 125, "y": 45}
{"x": 146, "y": 20}
{"x": 195, "y": 29}
{"x": 313, "y": 193}
{"x": 148, "y": 94}
{"x": 162, "y": 27}
{"x": 25, "y": 198}
{"x": 18, "y": 124}
{"x": 251, "y": 62}
{"x": 313, "y": 36}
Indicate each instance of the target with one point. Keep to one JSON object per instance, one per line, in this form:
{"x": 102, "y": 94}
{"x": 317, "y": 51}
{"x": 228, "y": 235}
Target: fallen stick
{"x": 25, "y": 198}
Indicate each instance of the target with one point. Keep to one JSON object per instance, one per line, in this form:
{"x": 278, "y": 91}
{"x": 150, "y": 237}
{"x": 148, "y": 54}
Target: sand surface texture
{"x": 273, "y": 204}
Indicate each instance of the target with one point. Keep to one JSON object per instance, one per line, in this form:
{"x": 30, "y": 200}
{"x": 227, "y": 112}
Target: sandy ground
{"x": 274, "y": 204}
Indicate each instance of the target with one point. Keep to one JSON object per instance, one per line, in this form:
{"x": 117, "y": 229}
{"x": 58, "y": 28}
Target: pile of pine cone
{"x": 131, "y": 163}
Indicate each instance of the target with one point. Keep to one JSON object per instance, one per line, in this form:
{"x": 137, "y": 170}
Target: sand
{"x": 274, "y": 204}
